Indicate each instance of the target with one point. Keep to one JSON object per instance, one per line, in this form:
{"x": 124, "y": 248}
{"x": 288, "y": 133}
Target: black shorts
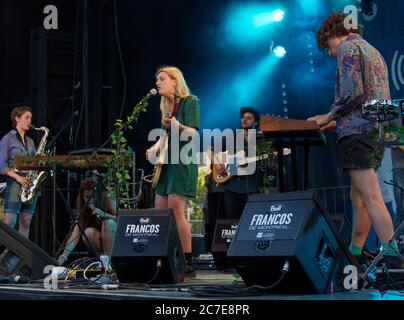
{"x": 359, "y": 152}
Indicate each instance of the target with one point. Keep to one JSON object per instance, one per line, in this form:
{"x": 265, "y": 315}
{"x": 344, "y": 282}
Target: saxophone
{"x": 35, "y": 177}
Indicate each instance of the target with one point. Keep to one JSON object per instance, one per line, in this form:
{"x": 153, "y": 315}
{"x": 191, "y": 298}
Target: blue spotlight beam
{"x": 263, "y": 19}
{"x": 245, "y": 23}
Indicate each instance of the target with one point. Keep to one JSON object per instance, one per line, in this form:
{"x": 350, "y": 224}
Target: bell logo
{"x": 144, "y": 220}
{"x": 276, "y": 208}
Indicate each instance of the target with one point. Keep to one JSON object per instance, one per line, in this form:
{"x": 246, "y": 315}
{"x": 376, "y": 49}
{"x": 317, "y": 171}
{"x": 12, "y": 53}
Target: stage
{"x": 205, "y": 278}
{"x": 207, "y": 134}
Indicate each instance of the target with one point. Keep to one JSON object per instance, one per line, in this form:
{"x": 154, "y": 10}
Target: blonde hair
{"x": 182, "y": 88}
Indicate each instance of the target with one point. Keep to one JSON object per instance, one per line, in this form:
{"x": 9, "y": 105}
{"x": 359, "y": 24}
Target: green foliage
{"x": 117, "y": 176}
{"x": 395, "y": 133}
{"x": 196, "y": 204}
{"x": 391, "y": 134}
{"x": 265, "y": 147}
{"x": 47, "y": 162}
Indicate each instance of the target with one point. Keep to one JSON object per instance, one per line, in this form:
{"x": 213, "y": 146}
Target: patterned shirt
{"x": 362, "y": 76}
{"x": 10, "y": 146}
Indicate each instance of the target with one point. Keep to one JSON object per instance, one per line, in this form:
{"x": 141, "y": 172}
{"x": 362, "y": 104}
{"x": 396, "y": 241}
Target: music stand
{"x": 292, "y": 133}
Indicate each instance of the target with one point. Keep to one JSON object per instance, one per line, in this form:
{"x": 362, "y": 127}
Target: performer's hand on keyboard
{"x": 331, "y": 126}
{"x": 322, "y": 119}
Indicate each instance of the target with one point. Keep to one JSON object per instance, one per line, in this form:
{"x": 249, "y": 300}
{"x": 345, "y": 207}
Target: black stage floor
{"x": 37, "y": 291}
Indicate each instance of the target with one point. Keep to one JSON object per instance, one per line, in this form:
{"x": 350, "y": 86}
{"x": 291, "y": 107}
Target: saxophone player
{"x": 16, "y": 143}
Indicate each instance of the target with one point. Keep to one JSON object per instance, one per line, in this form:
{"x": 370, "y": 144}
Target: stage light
{"x": 266, "y": 18}
{"x": 279, "y": 51}
{"x": 277, "y": 15}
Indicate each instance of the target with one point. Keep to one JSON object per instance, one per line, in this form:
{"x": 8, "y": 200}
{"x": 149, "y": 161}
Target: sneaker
{"x": 364, "y": 258}
{"x": 364, "y": 261}
{"x": 394, "y": 262}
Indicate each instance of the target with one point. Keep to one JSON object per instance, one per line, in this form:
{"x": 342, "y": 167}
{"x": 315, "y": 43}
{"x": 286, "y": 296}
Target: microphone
{"x": 151, "y": 93}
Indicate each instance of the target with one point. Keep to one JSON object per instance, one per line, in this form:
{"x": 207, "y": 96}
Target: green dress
{"x": 181, "y": 178}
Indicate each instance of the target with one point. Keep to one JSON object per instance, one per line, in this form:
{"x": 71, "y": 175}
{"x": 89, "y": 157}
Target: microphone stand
{"x": 142, "y": 102}
{"x": 52, "y": 146}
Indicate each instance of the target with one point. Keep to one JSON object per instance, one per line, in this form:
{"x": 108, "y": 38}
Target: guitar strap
{"x": 175, "y": 110}
{"x": 176, "y": 105}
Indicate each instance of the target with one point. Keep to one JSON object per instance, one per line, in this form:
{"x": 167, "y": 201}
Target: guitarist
{"x": 238, "y": 189}
{"x": 177, "y": 182}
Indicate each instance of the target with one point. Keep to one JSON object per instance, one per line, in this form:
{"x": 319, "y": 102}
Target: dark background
{"x": 78, "y": 66}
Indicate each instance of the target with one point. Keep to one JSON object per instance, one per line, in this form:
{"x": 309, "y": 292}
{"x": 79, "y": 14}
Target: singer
{"x": 17, "y": 143}
{"x": 177, "y": 181}
{"x": 96, "y": 218}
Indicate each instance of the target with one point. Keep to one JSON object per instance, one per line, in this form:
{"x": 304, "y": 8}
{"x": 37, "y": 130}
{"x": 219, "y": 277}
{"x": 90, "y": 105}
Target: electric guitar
{"x": 237, "y": 165}
{"x": 163, "y": 150}
{"x": 161, "y": 156}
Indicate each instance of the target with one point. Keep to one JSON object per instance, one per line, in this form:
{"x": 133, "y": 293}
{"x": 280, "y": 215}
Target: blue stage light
{"x": 279, "y": 51}
{"x": 263, "y": 19}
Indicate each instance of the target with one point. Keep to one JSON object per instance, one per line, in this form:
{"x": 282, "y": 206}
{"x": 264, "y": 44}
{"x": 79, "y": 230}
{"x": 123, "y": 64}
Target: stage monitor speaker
{"x": 20, "y": 256}
{"x": 294, "y": 227}
{"x": 225, "y": 230}
{"x": 143, "y": 237}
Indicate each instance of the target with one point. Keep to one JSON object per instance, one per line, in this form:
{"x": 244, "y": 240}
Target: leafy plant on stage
{"x": 392, "y": 134}
{"x": 264, "y": 147}
{"x": 117, "y": 178}
{"x": 195, "y": 205}
{"x": 46, "y": 162}
{"x": 395, "y": 133}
